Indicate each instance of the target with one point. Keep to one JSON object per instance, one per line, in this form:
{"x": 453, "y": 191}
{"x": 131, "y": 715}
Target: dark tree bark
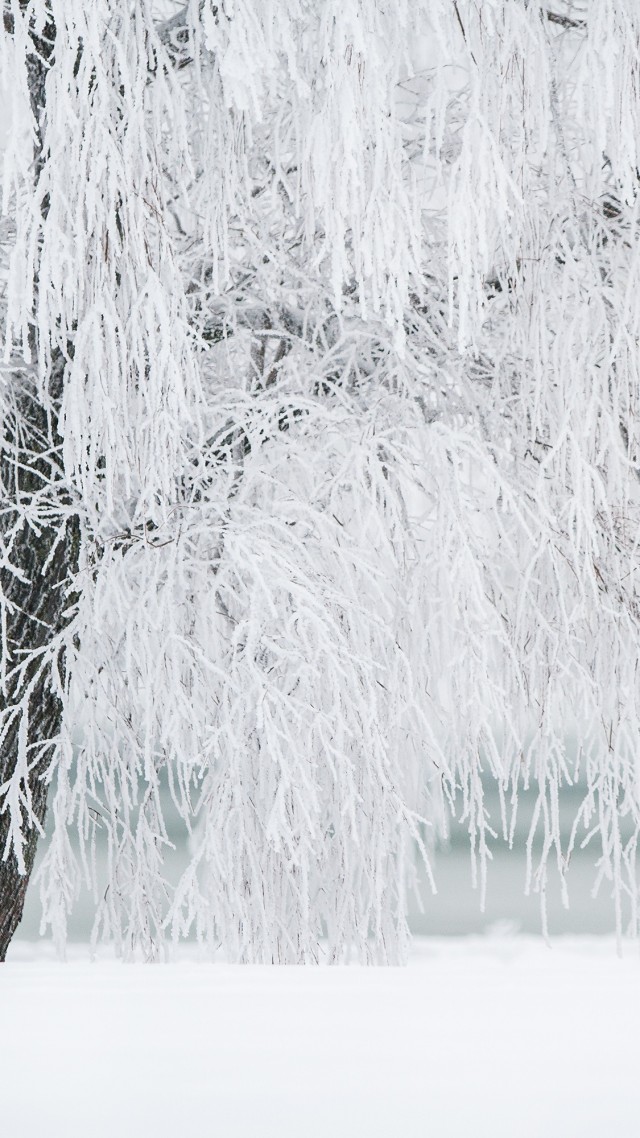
{"x": 36, "y": 609}
{"x": 41, "y": 535}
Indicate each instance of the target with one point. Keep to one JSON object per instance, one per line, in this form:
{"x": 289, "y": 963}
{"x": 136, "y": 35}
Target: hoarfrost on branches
{"x": 341, "y": 302}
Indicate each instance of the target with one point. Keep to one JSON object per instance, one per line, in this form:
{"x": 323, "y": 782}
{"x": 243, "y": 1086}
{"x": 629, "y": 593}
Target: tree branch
{"x": 564, "y": 21}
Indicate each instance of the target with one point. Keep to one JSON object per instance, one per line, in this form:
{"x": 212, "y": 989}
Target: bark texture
{"x": 36, "y": 609}
{"x": 41, "y": 547}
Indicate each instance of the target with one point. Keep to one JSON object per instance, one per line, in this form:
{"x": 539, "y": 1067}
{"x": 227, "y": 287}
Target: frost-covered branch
{"x": 562, "y": 20}
{"x": 342, "y": 317}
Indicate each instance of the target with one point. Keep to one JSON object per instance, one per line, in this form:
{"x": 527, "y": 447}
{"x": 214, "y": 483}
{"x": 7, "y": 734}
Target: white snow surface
{"x": 477, "y": 1037}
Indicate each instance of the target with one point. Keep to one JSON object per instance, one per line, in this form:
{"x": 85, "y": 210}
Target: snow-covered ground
{"x": 478, "y": 1037}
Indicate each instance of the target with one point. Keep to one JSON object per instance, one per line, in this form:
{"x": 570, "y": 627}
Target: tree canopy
{"x": 327, "y": 312}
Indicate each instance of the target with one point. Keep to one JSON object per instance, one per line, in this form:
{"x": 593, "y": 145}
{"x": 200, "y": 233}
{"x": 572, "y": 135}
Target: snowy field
{"x": 476, "y": 1038}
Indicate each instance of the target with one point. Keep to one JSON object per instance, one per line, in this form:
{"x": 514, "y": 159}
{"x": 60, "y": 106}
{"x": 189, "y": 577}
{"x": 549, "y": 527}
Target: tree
{"x": 320, "y": 475}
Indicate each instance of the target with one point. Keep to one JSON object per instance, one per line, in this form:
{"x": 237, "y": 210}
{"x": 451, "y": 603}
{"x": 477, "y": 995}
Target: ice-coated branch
{"x": 562, "y": 20}
{"x": 343, "y": 332}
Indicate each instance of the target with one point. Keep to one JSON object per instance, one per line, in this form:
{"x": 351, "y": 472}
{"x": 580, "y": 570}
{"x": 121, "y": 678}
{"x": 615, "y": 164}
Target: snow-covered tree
{"x": 320, "y": 454}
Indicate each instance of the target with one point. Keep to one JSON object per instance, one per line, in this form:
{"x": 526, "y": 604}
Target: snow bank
{"x": 478, "y": 1037}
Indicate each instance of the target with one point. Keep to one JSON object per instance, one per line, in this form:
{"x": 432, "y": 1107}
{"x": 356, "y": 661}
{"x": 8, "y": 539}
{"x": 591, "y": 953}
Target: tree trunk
{"x": 36, "y": 606}
{"x": 42, "y": 549}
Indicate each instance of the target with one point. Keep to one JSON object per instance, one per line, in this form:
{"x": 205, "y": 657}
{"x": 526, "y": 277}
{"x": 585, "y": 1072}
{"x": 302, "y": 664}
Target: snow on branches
{"x": 342, "y": 297}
